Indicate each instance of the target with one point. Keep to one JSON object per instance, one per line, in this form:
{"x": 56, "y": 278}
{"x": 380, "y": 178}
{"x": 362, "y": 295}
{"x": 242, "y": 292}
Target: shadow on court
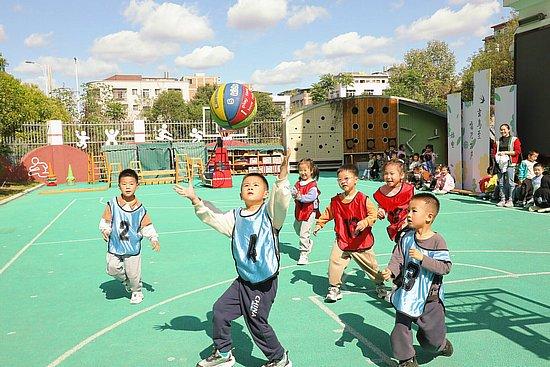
{"x": 377, "y": 336}
{"x": 114, "y": 289}
{"x": 501, "y": 312}
{"x": 242, "y": 343}
{"x": 291, "y": 251}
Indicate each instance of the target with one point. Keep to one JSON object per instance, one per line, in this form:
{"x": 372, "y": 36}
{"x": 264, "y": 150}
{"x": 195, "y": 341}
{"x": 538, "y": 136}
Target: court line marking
{"x": 24, "y": 248}
{"x": 383, "y": 356}
{"x": 93, "y": 337}
{"x": 486, "y": 268}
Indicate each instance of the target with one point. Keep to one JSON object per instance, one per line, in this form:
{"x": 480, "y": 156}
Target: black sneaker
{"x": 447, "y": 350}
{"x": 409, "y": 363}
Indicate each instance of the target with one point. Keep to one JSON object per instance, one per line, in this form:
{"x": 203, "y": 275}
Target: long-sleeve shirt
{"x": 277, "y": 206}
{"x": 525, "y": 170}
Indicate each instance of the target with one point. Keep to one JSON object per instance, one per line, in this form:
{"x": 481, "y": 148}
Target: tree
{"x": 169, "y": 105}
{"x": 200, "y": 100}
{"x": 321, "y": 90}
{"x": 115, "y": 111}
{"x": 495, "y": 56}
{"x": 427, "y": 75}
{"x": 66, "y": 97}
{"x": 266, "y": 109}
{"x": 3, "y": 63}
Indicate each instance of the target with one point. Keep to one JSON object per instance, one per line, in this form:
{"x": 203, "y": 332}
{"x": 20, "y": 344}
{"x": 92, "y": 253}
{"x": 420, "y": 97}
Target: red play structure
{"x": 218, "y": 170}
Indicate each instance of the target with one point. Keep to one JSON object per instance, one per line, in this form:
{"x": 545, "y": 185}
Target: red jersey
{"x": 302, "y": 211}
{"x": 396, "y": 207}
{"x": 346, "y": 217}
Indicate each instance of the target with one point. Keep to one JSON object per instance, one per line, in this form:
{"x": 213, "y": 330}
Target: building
{"x": 283, "y": 102}
{"x": 363, "y": 84}
{"x": 531, "y": 60}
{"x": 137, "y": 93}
{"x": 199, "y": 80}
{"x": 299, "y": 98}
{"x": 496, "y": 31}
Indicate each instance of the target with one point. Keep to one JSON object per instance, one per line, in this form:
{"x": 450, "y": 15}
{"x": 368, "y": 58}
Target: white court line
{"x": 487, "y": 268}
{"x": 20, "y": 252}
{"x": 93, "y": 337}
{"x": 497, "y": 277}
{"x": 383, "y": 356}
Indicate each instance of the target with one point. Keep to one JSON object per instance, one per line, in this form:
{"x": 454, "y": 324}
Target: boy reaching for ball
{"x": 254, "y": 232}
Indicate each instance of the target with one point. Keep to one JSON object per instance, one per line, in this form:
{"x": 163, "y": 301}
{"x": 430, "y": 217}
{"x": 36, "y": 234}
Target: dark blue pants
{"x": 253, "y": 301}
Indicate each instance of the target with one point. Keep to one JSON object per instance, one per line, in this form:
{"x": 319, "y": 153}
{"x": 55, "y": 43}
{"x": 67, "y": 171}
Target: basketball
{"x": 233, "y": 106}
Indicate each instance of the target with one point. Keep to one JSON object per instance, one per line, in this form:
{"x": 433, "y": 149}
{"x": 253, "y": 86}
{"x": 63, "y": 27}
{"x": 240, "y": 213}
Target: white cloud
{"x": 2, "y": 33}
{"x": 306, "y": 15}
{"x": 130, "y": 46}
{"x": 379, "y": 60}
{"x": 292, "y": 72}
{"x": 138, "y": 11}
{"x": 38, "y": 39}
{"x": 310, "y": 49}
{"x": 256, "y": 14}
{"x": 205, "y": 57}
{"x": 396, "y": 5}
{"x": 460, "y": 2}
{"x": 87, "y": 68}
{"x": 352, "y": 44}
{"x": 470, "y": 19}
{"x": 173, "y": 22}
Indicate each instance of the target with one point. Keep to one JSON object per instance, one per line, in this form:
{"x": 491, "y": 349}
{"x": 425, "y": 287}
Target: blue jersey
{"x": 410, "y": 298}
{"x": 255, "y": 246}
{"x": 125, "y": 238}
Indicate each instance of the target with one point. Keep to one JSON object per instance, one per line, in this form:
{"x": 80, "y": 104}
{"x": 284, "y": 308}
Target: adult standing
{"x": 507, "y": 155}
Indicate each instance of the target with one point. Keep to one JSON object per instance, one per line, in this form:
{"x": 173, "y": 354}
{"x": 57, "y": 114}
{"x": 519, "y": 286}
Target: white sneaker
{"x": 303, "y": 260}
{"x": 501, "y": 203}
{"x": 333, "y": 294}
{"x": 509, "y": 203}
{"x": 137, "y": 297}
{"x": 217, "y": 360}
{"x": 285, "y": 362}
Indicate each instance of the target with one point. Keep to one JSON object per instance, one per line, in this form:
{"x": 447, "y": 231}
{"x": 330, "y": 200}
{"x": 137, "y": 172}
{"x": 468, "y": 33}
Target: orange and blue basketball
{"x": 233, "y": 106}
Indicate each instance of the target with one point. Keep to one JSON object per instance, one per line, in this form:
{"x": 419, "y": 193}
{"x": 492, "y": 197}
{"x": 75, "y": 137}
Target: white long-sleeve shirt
{"x": 277, "y": 206}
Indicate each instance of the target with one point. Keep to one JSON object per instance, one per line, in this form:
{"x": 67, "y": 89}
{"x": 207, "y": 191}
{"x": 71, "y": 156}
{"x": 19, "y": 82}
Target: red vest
{"x": 302, "y": 211}
{"x": 346, "y": 217}
{"x": 396, "y": 207}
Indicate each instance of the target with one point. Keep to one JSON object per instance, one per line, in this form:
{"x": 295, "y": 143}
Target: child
{"x": 542, "y": 196}
{"x": 445, "y": 182}
{"x": 525, "y": 175}
{"x": 353, "y": 214}
{"x": 254, "y": 232}
{"x": 381, "y": 161}
{"x": 393, "y": 198}
{"x": 429, "y": 159}
{"x": 123, "y": 224}
{"x": 306, "y": 197}
{"x": 370, "y": 164}
{"x": 417, "y": 265}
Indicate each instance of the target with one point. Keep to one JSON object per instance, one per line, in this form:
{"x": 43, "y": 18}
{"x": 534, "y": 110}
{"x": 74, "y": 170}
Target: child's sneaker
{"x": 127, "y": 286}
{"x": 409, "y": 363}
{"x": 285, "y": 362}
{"x": 381, "y": 291}
{"x": 333, "y": 294}
{"x": 509, "y": 203}
{"x": 303, "y": 260}
{"x": 218, "y": 360}
{"x": 137, "y": 297}
{"x": 501, "y": 203}
{"x": 447, "y": 351}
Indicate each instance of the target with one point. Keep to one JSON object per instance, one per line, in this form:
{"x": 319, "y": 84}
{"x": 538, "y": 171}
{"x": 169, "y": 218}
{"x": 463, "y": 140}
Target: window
{"x": 362, "y": 81}
{"x": 350, "y": 93}
{"x": 134, "y": 92}
{"x": 368, "y": 92}
{"x": 383, "y": 80}
{"x": 157, "y": 92}
{"x": 135, "y": 107}
{"x": 119, "y": 94}
{"x": 145, "y": 93}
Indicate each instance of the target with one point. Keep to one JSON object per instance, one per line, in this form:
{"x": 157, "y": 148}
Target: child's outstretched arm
{"x": 279, "y": 198}
{"x": 221, "y": 222}
{"x": 325, "y": 217}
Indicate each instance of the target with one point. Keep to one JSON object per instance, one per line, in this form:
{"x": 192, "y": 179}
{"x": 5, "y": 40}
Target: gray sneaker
{"x": 501, "y": 203}
{"x": 333, "y": 294}
{"x": 509, "y": 203}
{"x": 447, "y": 350}
{"x": 217, "y": 360}
{"x": 381, "y": 291}
{"x": 285, "y": 362}
{"x": 409, "y": 363}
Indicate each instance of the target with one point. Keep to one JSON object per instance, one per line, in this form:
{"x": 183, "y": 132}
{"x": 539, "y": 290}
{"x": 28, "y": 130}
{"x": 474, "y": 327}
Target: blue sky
{"x": 273, "y": 44}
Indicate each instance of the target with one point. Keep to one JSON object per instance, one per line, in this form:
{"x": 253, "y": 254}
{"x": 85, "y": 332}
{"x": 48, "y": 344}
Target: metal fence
{"x": 34, "y": 135}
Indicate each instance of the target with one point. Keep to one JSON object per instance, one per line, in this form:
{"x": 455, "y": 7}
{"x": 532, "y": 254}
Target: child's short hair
{"x": 533, "y": 151}
{"x": 430, "y": 200}
{"x": 255, "y": 174}
{"x": 348, "y": 168}
{"x": 128, "y": 172}
{"x": 441, "y": 166}
{"x": 313, "y": 168}
{"x": 394, "y": 162}
{"x": 538, "y": 164}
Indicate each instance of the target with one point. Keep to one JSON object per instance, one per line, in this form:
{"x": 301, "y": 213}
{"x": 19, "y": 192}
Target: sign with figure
{"x": 505, "y": 107}
{"x": 454, "y": 136}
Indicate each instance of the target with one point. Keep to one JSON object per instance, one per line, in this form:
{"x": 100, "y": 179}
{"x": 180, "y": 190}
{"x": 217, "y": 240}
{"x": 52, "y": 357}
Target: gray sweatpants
{"x": 125, "y": 268}
{"x": 253, "y": 301}
{"x": 431, "y": 331}
{"x": 303, "y": 230}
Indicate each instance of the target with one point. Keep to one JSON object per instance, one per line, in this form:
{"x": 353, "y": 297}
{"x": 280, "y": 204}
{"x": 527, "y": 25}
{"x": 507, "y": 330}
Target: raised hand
{"x": 283, "y": 173}
{"x": 188, "y": 192}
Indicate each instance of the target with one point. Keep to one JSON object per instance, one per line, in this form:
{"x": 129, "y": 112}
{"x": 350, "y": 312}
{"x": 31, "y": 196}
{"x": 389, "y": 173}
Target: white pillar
{"x": 55, "y": 132}
{"x": 139, "y": 131}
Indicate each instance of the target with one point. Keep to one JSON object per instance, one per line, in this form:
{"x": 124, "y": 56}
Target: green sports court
{"x": 60, "y": 308}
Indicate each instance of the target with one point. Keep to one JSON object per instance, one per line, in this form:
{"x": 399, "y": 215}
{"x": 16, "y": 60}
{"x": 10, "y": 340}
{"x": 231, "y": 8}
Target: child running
{"x": 418, "y": 263}
{"x": 254, "y": 232}
{"x": 123, "y": 224}
{"x": 354, "y": 215}
{"x": 306, "y": 197}
{"x": 393, "y": 198}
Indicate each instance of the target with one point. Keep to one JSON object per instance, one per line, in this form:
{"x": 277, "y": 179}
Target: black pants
{"x": 525, "y": 190}
{"x": 253, "y": 301}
